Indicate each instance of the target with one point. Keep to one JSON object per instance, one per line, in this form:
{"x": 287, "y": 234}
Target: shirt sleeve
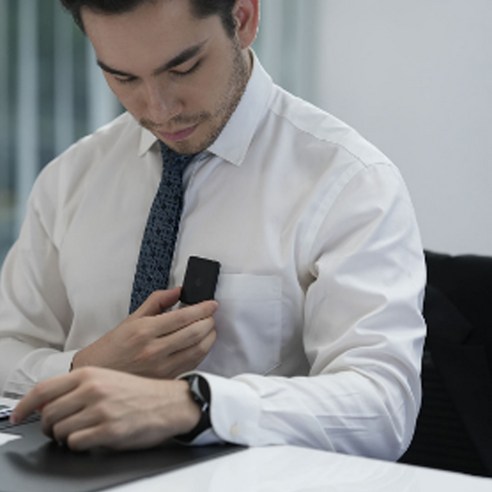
{"x": 363, "y": 334}
{"x": 34, "y": 309}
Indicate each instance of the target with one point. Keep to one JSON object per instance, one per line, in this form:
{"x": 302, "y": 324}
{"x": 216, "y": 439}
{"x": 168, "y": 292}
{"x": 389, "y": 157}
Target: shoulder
{"x": 321, "y": 132}
{"x": 101, "y": 153}
{"x": 122, "y": 131}
{"x": 118, "y": 139}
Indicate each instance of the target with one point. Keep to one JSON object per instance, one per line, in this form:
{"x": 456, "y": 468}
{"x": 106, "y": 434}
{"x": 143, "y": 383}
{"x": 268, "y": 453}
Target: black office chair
{"x": 454, "y": 427}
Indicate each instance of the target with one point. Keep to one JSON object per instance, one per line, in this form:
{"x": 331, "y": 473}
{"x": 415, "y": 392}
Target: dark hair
{"x": 200, "y": 9}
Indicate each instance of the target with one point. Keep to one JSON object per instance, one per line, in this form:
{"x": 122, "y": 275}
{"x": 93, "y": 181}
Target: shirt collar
{"x": 235, "y": 138}
{"x": 147, "y": 140}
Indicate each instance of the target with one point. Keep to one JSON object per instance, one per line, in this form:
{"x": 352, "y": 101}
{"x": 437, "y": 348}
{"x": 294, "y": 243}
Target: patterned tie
{"x": 157, "y": 249}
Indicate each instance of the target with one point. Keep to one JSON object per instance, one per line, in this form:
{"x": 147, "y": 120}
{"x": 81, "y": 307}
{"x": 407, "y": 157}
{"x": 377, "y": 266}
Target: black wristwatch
{"x": 200, "y": 392}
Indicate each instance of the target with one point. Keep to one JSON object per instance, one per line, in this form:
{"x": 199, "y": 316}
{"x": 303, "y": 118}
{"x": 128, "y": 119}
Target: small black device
{"x": 200, "y": 280}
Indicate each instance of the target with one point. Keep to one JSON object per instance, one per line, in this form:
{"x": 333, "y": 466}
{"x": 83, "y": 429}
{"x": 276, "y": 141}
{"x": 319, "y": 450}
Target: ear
{"x": 247, "y": 16}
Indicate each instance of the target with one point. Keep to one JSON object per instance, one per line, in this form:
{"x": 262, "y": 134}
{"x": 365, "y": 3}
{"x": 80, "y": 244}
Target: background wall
{"x": 415, "y": 78}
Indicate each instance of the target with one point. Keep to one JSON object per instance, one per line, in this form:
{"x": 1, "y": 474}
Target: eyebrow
{"x": 179, "y": 59}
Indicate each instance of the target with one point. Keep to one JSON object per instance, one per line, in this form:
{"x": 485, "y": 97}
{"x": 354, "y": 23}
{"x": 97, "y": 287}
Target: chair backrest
{"x": 441, "y": 439}
{"x": 454, "y": 427}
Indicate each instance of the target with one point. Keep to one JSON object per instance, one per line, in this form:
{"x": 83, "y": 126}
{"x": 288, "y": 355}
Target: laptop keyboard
{"x": 5, "y": 411}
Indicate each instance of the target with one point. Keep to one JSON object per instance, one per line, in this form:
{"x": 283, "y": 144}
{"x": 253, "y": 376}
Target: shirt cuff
{"x": 57, "y": 364}
{"x": 234, "y": 409}
{"x": 38, "y": 366}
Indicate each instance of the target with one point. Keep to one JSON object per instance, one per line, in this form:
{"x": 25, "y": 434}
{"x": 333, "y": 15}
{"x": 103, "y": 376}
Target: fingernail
{"x": 13, "y": 419}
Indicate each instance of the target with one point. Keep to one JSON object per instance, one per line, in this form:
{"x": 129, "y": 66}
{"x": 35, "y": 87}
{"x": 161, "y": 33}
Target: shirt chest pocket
{"x": 248, "y": 324}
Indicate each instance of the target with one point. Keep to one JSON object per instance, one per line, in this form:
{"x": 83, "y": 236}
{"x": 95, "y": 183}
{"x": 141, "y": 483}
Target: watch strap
{"x": 200, "y": 393}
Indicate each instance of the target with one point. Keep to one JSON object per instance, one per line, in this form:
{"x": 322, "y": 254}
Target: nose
{"x": 162, "y": 105}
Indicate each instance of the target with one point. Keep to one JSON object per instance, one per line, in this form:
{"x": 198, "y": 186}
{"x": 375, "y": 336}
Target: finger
{"x": 117, "y": 436}
{"x": 43, "y": 393}
{"x": 186, "y": 337}
{"x": 87, "y": 438}
{"x": 187, "y": 359}
{"x": 105, "y": 435}
{"x": 60, "y": 410}
{"x": 158, "y": 302}
{"x": 84, "y": 419}
{"x": 170, "y": 322}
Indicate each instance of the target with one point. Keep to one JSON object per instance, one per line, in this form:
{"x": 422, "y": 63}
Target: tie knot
{"x": 173, "y": 159}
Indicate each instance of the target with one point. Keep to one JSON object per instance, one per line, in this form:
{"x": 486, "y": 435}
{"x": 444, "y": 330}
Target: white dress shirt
{"x": 319, "y": 323}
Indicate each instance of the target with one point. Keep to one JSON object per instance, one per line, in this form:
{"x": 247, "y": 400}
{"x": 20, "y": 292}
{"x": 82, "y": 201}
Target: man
{"x": 316, "y": 335}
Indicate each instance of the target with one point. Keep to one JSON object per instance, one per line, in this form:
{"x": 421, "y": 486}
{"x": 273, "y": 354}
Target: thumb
{"x": 158, "y": 302}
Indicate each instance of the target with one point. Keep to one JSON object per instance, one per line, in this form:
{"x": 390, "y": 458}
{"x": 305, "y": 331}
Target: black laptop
{"x": 34, "y": 463}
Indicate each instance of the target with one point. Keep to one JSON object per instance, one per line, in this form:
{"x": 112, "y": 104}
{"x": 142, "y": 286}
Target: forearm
{"x": 344, "y": 412}
{"x": 34, "y": 309}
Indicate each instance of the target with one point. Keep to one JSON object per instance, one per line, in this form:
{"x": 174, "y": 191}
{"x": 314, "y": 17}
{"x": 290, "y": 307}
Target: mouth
{"x": 179, "y": 135}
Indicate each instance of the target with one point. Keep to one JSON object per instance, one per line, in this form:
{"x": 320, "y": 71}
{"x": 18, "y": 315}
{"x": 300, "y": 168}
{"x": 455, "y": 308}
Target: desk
{"x": 292, "y": 469}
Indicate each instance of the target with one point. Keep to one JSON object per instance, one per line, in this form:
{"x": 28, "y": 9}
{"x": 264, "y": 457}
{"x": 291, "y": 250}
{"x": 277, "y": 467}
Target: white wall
{"x": 415, "y": 78}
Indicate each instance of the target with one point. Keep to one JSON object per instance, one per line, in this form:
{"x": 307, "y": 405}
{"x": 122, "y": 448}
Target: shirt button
{"x": 234, "y": 431}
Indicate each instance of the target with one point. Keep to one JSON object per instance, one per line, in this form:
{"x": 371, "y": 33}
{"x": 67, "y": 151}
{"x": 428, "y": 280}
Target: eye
{"x": 121, "y": 79}
{"x": 186, "y": 71}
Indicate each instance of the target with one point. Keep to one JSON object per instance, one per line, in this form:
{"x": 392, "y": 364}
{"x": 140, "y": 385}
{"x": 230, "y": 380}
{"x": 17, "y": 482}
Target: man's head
{"x": 178, "y": 66}
{"x": 200, "y": 8}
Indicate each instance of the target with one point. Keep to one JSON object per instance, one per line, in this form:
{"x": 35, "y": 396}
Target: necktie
{"x": 159, "y": 239}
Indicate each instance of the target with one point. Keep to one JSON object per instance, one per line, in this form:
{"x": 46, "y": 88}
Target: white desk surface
{"x": 292, "y": 469}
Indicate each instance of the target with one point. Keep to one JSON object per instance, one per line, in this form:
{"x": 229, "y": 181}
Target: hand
{"x": 154, "y": 343}
{"x": 94, "y": 407}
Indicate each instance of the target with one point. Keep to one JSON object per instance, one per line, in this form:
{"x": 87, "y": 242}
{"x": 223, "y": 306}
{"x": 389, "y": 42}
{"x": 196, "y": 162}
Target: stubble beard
{"x": 218, "y": 119}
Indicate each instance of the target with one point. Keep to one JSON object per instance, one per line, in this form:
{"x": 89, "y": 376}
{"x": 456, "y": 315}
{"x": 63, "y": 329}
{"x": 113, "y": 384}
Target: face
{"x": 179, "y": 76}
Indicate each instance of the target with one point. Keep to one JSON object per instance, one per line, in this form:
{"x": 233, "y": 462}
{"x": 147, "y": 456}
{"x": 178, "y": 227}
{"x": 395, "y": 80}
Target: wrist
{"x": 74, "y": 364}
{"x": 189, "y": 413}
{"x": 198, "y": 394}
{"x": 80, "y": 360}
